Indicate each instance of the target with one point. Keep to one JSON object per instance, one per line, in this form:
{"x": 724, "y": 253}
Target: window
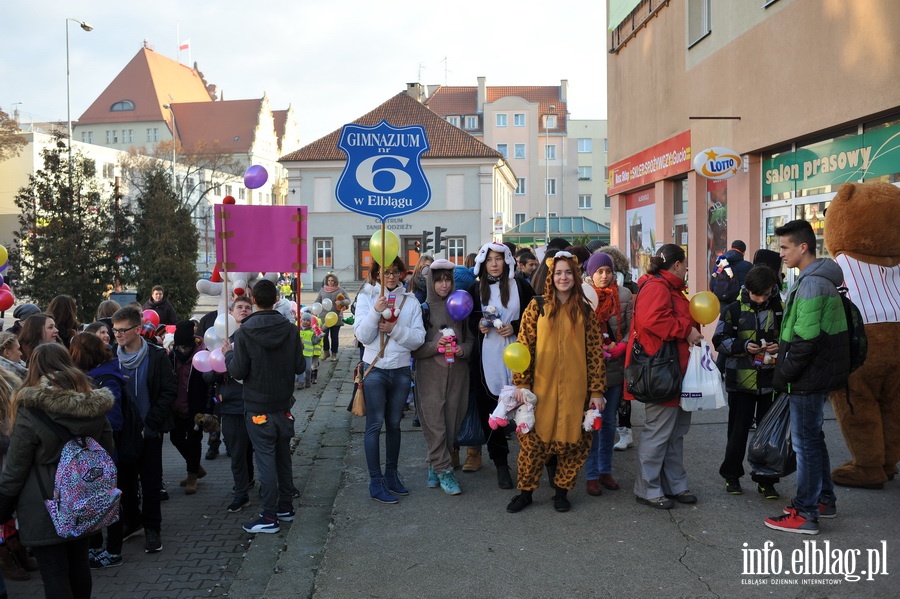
{"x": 698, "y": 20}
{"x": 323, "y": 253}
{"x": 519, "y": 119}
{"x": 584, "y": 201}
{"x": 584, "y": 145}
{"x": 122, "y": 106}
{"x": 518, "y": 218}
{"x": 551, "y": 187}
{"x": 501, "y": 119}
{"x": 228, "y": 190}
{"x": 87, "y": 137}
{"x": 128, "y": 136}
{"x": 453, "y": 120}
{"x": 242, "y": 194}
{"x": 109, "y": 170}
{"x": 520, "y": 190}
{"x": 108, "y": 136}
{"x": 550, "y": 121}
{"x": 585, "y": 173}
{"x": 552, "y": 215}
{"x": 115, "y": 136}
{"x": 519, "y": 151}
{"x": 456, "y": 250}
{"x": 551, "y": 152}
{"x": 606, "y": 202}
{"x": 503, "y": 149}
{"x": 471, "y": 122}
{"x": 605, "y": 144}
{"x": 153, "y": 134}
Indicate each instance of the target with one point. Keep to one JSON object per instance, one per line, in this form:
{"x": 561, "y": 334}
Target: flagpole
{"x": 225, "y": 270}
{"x": 383, "y": 265}
{"x": 299, "y": 265}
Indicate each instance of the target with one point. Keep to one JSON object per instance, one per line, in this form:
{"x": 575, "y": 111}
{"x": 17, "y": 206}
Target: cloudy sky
{"x": 333, "y": 61}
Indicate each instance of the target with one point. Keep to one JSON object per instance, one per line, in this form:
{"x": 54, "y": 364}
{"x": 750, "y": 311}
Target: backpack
{"x": 856, "y": 329}
{"x": 725, "y": 287}
{"x": 85, "y": 498}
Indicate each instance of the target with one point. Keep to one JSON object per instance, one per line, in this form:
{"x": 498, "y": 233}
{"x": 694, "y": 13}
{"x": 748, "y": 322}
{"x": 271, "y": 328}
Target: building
{"x": 804, "y": 91}
{"x": 592, "y": 147}
{"x": 470, "y": 184}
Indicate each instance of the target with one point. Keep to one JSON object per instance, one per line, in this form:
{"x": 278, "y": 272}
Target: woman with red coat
{"x": 662, "y": 313}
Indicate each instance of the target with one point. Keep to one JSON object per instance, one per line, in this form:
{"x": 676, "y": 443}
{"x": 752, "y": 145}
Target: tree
{"x": 165, "y": 242}
{"x": 64, "y": 244}
{"x": 11, "y": 140}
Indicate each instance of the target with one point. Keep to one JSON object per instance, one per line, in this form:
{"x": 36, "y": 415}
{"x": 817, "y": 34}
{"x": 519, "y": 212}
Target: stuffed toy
{"x": 208, "y": 423}
{"x": 506, "y": 405}
{"x": 239, "y": 283}
{"x": 491, "y": 318}
{"x": 592, "y": 420}
{"x": 525, "y": 412}
{"x": 862, "y": 236}
{"x": 449, "y": 350}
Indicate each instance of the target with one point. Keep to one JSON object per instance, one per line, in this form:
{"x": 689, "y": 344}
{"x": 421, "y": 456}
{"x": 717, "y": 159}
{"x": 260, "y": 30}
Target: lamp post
{"x": 551, "y": 111}
{"x": 86, "y": 27}
{"x": 174, "y": 139}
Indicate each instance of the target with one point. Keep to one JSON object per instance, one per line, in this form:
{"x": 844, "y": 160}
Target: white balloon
{"x": 212, "y": 340}
{"x": 590, "y": 294}
{"x": 327, "y": 305}
{"x": 219, "y": 326}
{"x": 316, "y": 308}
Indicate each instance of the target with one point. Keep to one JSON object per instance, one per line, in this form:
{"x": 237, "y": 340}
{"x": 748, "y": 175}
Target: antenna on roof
{"x": 446, "y": 70}
{"x": 419, "y": 77}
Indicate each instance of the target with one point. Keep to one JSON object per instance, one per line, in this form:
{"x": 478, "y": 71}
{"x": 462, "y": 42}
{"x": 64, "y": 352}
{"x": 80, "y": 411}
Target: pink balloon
{"x": 201, "y": 361}
{"x": 217, "y": 360}
{"x": 255, "y": 176}
{"x": 151, "y": 316}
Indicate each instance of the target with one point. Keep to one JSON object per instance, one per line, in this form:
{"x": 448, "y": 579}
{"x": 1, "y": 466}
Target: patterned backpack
{"x": 85, "y": 498}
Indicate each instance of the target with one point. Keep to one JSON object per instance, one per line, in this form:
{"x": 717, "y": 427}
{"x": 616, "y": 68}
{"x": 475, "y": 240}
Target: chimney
{"x": 481, "y": 98}
{"x": 416, "y": 91}
{"x": 564, "y": 90}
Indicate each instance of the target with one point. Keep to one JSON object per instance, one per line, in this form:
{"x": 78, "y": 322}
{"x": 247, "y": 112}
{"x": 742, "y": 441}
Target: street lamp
{"x": 86, "y": 27}
{"x": 174, "y": 133}
{"x": 551, "y": 111}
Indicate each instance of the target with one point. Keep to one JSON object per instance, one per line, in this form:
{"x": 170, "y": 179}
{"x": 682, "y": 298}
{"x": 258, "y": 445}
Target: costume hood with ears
{"x": 499, "y": 248}
{"x": 244, "y": 281}
{"x": 862, "y": 238}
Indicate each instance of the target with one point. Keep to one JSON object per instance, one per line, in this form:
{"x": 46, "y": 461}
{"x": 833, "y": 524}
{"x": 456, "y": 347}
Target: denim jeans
{"x": 599, "y": 459}
{"x": 814, "y": 482}
{"x": 386, "y": 392}
{"x": 272, "y": 448}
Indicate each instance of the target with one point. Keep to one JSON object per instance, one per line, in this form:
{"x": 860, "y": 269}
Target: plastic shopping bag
{"x": 470, "y": 432}
{"x": 702, "y": 387}
{"x": 770, "y": 452}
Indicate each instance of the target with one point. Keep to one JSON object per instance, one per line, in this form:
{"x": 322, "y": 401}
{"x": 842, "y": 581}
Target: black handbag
{"x": 654, "y": 378}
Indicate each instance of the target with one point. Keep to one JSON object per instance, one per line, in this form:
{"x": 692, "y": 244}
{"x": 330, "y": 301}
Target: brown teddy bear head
{"x": 862, "y": 222}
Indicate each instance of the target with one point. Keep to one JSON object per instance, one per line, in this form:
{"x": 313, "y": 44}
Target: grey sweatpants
{"x": 661, "y": 452}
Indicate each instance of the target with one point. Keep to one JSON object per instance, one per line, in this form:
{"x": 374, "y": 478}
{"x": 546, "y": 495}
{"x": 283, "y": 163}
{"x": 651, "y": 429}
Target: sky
{"x": 331, "y": 61}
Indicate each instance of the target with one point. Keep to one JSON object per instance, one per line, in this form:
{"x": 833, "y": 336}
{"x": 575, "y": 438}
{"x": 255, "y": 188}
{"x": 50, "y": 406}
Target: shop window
{"x": 814, "y": 214}
{"x": 681, "y": 196}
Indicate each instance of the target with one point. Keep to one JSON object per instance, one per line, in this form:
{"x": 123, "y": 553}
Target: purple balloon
{"x": 459, "y": 305}
{"x": 255, "y": 176}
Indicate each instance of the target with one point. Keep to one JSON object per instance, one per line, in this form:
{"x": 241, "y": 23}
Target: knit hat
{"x": 769, "y": 258}
{"x": 739, "y": 245}
{"x": 184, "y": 333}
{"x": 25, "y": 310}
{"x": 306, "y": 317}
{"x": 596, "y": 261}
{"x": 593, "y": 245}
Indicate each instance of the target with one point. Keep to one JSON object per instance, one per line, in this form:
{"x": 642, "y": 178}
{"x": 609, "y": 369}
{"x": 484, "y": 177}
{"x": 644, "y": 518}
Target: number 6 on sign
{"x": 366, "y": 173}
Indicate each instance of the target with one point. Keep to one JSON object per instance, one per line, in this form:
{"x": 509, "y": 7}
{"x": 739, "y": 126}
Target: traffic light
{"x": 440, "y": 244}
{"x": 418, "y": 247}
{"x": 426, "y": 242}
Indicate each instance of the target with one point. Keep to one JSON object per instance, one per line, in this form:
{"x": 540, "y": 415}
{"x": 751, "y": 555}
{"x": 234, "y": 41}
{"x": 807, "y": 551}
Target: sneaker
{"x": 394, "y": 484}
{"x": 105, "y": 559}
{"x": 212, "y": 453}
{"x": 793, "y": 522}
{"x": 95, "y": 551}
{"x": 448, "y": 481}
{"x": 433, "y": 482}
{"x": 660, "y": 503}
{"x": 379, "y": 492}
{"x": 262, "y": 524}
{"x": 238, "y": 504}
{"x": 767, "y": 491}
{"x": 286, "y": 515}
{"x": 684, "y": 497}
{"x": 131, "y": 530}
{"x": 733, "y": 486}
{"x": 163, "y": 494}
{"x": 825, "y": 510}
{"x": 626, "y": 439}
{"x": 152, "y": 542}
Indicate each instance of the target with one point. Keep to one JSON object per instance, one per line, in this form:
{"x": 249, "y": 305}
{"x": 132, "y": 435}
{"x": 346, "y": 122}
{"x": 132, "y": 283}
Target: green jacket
{"x": 814, "y": 349}
{"x": 744, "y": 322}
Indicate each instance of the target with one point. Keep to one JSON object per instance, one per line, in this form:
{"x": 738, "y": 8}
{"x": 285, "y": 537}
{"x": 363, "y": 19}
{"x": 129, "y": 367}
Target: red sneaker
{"x": 825, "y": 510}
{"x": 793, "y": 522}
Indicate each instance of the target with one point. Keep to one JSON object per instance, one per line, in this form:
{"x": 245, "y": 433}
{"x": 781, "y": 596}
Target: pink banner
{"x": 261, "y": 238}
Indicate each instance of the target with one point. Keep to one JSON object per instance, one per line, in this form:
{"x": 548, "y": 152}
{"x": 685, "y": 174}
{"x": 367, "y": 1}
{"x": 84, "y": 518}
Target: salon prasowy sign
{"x": 717, "y": 163}
{"x": 383, "y": 175}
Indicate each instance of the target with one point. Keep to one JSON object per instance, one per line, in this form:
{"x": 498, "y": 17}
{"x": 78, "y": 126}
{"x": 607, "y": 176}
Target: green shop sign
{"x": 872, "y": 154}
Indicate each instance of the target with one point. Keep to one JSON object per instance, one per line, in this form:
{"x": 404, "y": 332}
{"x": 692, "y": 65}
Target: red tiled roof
{"x": 462, "y": 100}
{"x": 453, "y": 100}
{"x": 227, "y": 125}
{"x": 149, "y": 81}
{"x": 446, "y": 141}
{"x": 280, "y": 117}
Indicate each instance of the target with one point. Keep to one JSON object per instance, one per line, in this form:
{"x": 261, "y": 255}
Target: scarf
{"x": 608, "y": 306}
{"x": 330, "y": 288}
{"x": 134, "y": 367}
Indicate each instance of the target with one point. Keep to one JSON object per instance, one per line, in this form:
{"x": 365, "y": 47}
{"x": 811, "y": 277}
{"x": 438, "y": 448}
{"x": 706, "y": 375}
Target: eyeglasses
{"x": 391, "y": 273}
{"x": 123, "y": 331}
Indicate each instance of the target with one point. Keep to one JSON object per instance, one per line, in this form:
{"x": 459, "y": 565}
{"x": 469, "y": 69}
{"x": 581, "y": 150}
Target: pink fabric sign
{"x": 261, "y": 238}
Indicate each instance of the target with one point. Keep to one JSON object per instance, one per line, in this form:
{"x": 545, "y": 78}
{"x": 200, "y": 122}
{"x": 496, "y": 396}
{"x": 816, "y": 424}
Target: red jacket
{"x": 661, "y": 313}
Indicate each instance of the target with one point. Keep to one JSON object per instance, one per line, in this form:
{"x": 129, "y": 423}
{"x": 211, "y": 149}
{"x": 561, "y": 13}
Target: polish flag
{"x": 186, "y": 44}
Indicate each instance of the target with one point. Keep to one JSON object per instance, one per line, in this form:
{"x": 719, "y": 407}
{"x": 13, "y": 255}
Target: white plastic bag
{"x": 702, "y": 387}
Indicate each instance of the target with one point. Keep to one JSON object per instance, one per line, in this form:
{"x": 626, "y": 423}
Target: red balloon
{"x": 228, "y": 200}
{"x": 6, "y": 300}
{"x": 5, "y": 287}
{"x": 152, "y": 317}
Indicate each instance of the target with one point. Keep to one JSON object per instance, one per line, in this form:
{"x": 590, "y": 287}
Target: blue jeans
{"x": 814, "y": 482}
{"x": 599, "y": 459}
{"x": 386, "y": 392}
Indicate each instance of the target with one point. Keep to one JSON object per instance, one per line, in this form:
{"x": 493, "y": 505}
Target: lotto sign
{"x": 717, "y": 163}
{"x": 383, "y": 176}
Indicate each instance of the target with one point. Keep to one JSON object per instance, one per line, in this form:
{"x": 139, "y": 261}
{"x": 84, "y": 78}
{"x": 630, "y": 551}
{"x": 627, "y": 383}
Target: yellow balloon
{"x": 705, "y": 307}
{"x": 331, "y": 319}
{"x": 4, "y": 255}
{"x": 516, "y": 357}
{"x": 391, "y": 247}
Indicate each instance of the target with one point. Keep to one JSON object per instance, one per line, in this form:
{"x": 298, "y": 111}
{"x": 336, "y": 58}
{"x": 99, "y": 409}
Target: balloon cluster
{"x": 7, "y": 299}
{"x": 212, "y": 357}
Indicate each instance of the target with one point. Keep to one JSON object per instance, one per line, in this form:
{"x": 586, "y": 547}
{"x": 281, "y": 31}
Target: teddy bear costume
{"x": 862, "y": 236}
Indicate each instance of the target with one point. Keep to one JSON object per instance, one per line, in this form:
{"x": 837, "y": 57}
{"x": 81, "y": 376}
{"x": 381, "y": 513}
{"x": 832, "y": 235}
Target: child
{"x": 747, "y": 335}
{"x": 309, "y": 338}
{"x": 318, "y": 347}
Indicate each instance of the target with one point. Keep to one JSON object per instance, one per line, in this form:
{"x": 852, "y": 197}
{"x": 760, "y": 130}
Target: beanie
{"x": 184, "y": 333}
{"x": 25, "y": 310}
{"x": 596, "y": 261}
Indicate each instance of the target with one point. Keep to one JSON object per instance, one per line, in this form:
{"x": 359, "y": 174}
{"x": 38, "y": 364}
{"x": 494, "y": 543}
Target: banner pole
{"x": 299, "y": 266}
{"x": 225, "y": 269}
{"x": 383, "y": 265}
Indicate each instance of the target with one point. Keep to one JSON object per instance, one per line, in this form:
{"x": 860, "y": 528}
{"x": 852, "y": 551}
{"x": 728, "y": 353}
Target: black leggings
{"x": 65, "y": 569}
{"x": 333, "y": 333}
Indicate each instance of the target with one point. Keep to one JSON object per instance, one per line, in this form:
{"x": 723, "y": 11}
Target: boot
{"x": 626, "y": 440}
{"x": 315, "y": 376}
{"x": 21, "y": 554}
{"x": 325, "y": 355}
{"x": 10, "y": 567}
{"x": 200, "y": 474}
{"x": 473, "y": 459}
{"x": 454, "y": 458}
{"x": 504, "y": 478}
{"x": 191, "y": 485}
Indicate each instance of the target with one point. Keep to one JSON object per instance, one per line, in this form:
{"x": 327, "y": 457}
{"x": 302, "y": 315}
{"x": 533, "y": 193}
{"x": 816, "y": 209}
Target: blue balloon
{"x": 255, "y": 176}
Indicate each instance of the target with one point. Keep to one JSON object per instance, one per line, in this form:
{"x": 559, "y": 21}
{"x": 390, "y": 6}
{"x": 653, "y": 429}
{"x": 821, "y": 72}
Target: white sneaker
{"x": 626, "y": 440}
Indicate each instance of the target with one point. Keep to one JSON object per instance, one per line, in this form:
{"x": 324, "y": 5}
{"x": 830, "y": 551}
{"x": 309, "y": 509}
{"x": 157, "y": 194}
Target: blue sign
{"x": 383, "y": 176}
